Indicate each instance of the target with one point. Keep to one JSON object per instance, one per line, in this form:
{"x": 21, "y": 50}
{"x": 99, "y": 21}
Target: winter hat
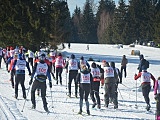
{"x": 94, "y": 65}
{"x": 72, "y": 56}
{"x": 141, "y": 56}
{"x": 105, "y": 64}
{"x": 82, "y": 58}
{"x": 11, "y": 48}
{"x": 42, "y": 57}
{"x": 59, "y": 54}
{"x": 112, "y": 64}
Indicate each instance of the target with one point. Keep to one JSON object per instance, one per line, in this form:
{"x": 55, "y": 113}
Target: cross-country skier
{"x": 72, "y": 67}
{"x": 59, "y": 64}
{"x": 95, "y": 71}
{"x": 40, "y": 73}
{"x": 142, "y": 63}
{"x": 10, "y": 69}
{"x": 46, "y": 61}
{"x": 117, "y": 75}
{"x": 20, "y": 65}
{"x": 157, "y": 98}
{"x": 110, "y": 87}
{"x": 146, "y": 84}
{"x": 30, "y": 55}
{"x": 124, "y": 63}
{"x": 84, "y": 79}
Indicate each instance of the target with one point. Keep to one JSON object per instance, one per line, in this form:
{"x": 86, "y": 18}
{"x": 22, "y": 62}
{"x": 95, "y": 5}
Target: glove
{"x": 50, "y": 84}
{"x": 8, "y": 71}
{"x": 30, "y": 82}
{"x": 29, "y": 74}
{"x": 135, "y": 74}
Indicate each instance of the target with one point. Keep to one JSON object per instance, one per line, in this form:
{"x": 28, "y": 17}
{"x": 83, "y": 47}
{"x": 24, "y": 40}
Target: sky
{"x": 63, "y": 108}
{"x": 80, "y": 3}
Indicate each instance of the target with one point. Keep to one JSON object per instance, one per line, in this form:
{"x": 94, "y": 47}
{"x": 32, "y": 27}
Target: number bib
{"x": 20, "y": 65}
{"x": 108, "y": 72}
{"x": 41, "y": 69}
{"x": 85, "y": 78}
{"x": 145, "y": 77}
{"x": 73, "y": 65}
{"x": 59, "y": 62}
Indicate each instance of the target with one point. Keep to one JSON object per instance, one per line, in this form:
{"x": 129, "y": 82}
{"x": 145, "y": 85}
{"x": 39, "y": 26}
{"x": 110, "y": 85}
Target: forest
{"x": 40, "y": 23}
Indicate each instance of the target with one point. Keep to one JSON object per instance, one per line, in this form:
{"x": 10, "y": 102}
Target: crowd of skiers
{"x": 87, "y": 77}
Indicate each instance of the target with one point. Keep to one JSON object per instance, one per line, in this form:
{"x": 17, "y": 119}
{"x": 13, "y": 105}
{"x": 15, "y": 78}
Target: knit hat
{"x": 72, "y": 56}
{"x": 141, "y": 56}
{"x": 94, "y": 65}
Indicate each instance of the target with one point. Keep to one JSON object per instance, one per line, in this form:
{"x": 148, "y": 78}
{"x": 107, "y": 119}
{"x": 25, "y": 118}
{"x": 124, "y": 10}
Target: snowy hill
{"x": 62, "y": 107}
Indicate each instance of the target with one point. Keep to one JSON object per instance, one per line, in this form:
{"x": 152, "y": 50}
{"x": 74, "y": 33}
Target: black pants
{"x": 84, "y": 91}
{"x": 125, "y": 72}
{"x": 20, "y": 78}
{"x": 12, "y": 77}
{"x": 42, "y": 86}
{"x": 30, "y": 61}
{"x": 72, "y": 76}
{"x": 145, "y": 91}
{"x": 59, "y": 73}
{"x": 158, "y": 105}
{"x": 95, "y": 91}
{"x": 0, "y": 61}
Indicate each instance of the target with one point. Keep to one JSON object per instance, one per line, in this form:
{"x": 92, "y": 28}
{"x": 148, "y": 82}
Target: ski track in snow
{"x": 63, "y": 107}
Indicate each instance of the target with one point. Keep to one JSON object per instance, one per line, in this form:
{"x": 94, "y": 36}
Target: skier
{"x": 146, "y": 84}
{"x": 110, "y": 81}
{"x": 142, "y": 63}
{"x": 87, "y": 47}
{"x": 59, "y": 64}
{"x": 124, "y": 63}
{"x": 46, "y": 61}
{"x": 157, "y": 98}
{"x": 69, "y": 45}
{"x": 117, "y": 75}
{"x": 40, "y": 72}
{"x": 20, "y": 65}
{"x": 72, "y": 67}
{"x": 95, "y": 71}
{"x": 30, "y": 58}
{"x": 52, "y": 57}
{"x": 84, "y": 79}
{"x": 10, "y": 69}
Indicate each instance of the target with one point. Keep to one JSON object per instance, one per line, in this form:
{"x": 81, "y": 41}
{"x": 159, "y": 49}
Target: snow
{"x": 62, "y": 107}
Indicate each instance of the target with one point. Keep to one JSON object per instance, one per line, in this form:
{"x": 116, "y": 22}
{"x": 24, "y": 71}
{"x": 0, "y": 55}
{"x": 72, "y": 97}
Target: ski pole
{"x": 97, "y": 92}
{"x": 51, "y": 97}
{"x": 66, "y": 79}
{"x": 120, "y": 93}
{"x": 136, "y": 95}
{"x": 25, "y": 99}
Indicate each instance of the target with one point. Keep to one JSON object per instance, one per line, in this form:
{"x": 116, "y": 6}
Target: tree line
{"x": 39, "y": 23}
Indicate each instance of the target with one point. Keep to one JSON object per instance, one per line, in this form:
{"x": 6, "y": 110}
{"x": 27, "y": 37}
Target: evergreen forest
{"x": 40, "y": 23}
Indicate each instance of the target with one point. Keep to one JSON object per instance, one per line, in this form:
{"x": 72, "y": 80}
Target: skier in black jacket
{"x": 40, "y": 72}
{"x": 84, "y": 79}
{"x": 95, "y": 71}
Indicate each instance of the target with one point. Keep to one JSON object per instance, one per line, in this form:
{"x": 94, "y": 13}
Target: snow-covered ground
{"x": 63, "y": 108}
